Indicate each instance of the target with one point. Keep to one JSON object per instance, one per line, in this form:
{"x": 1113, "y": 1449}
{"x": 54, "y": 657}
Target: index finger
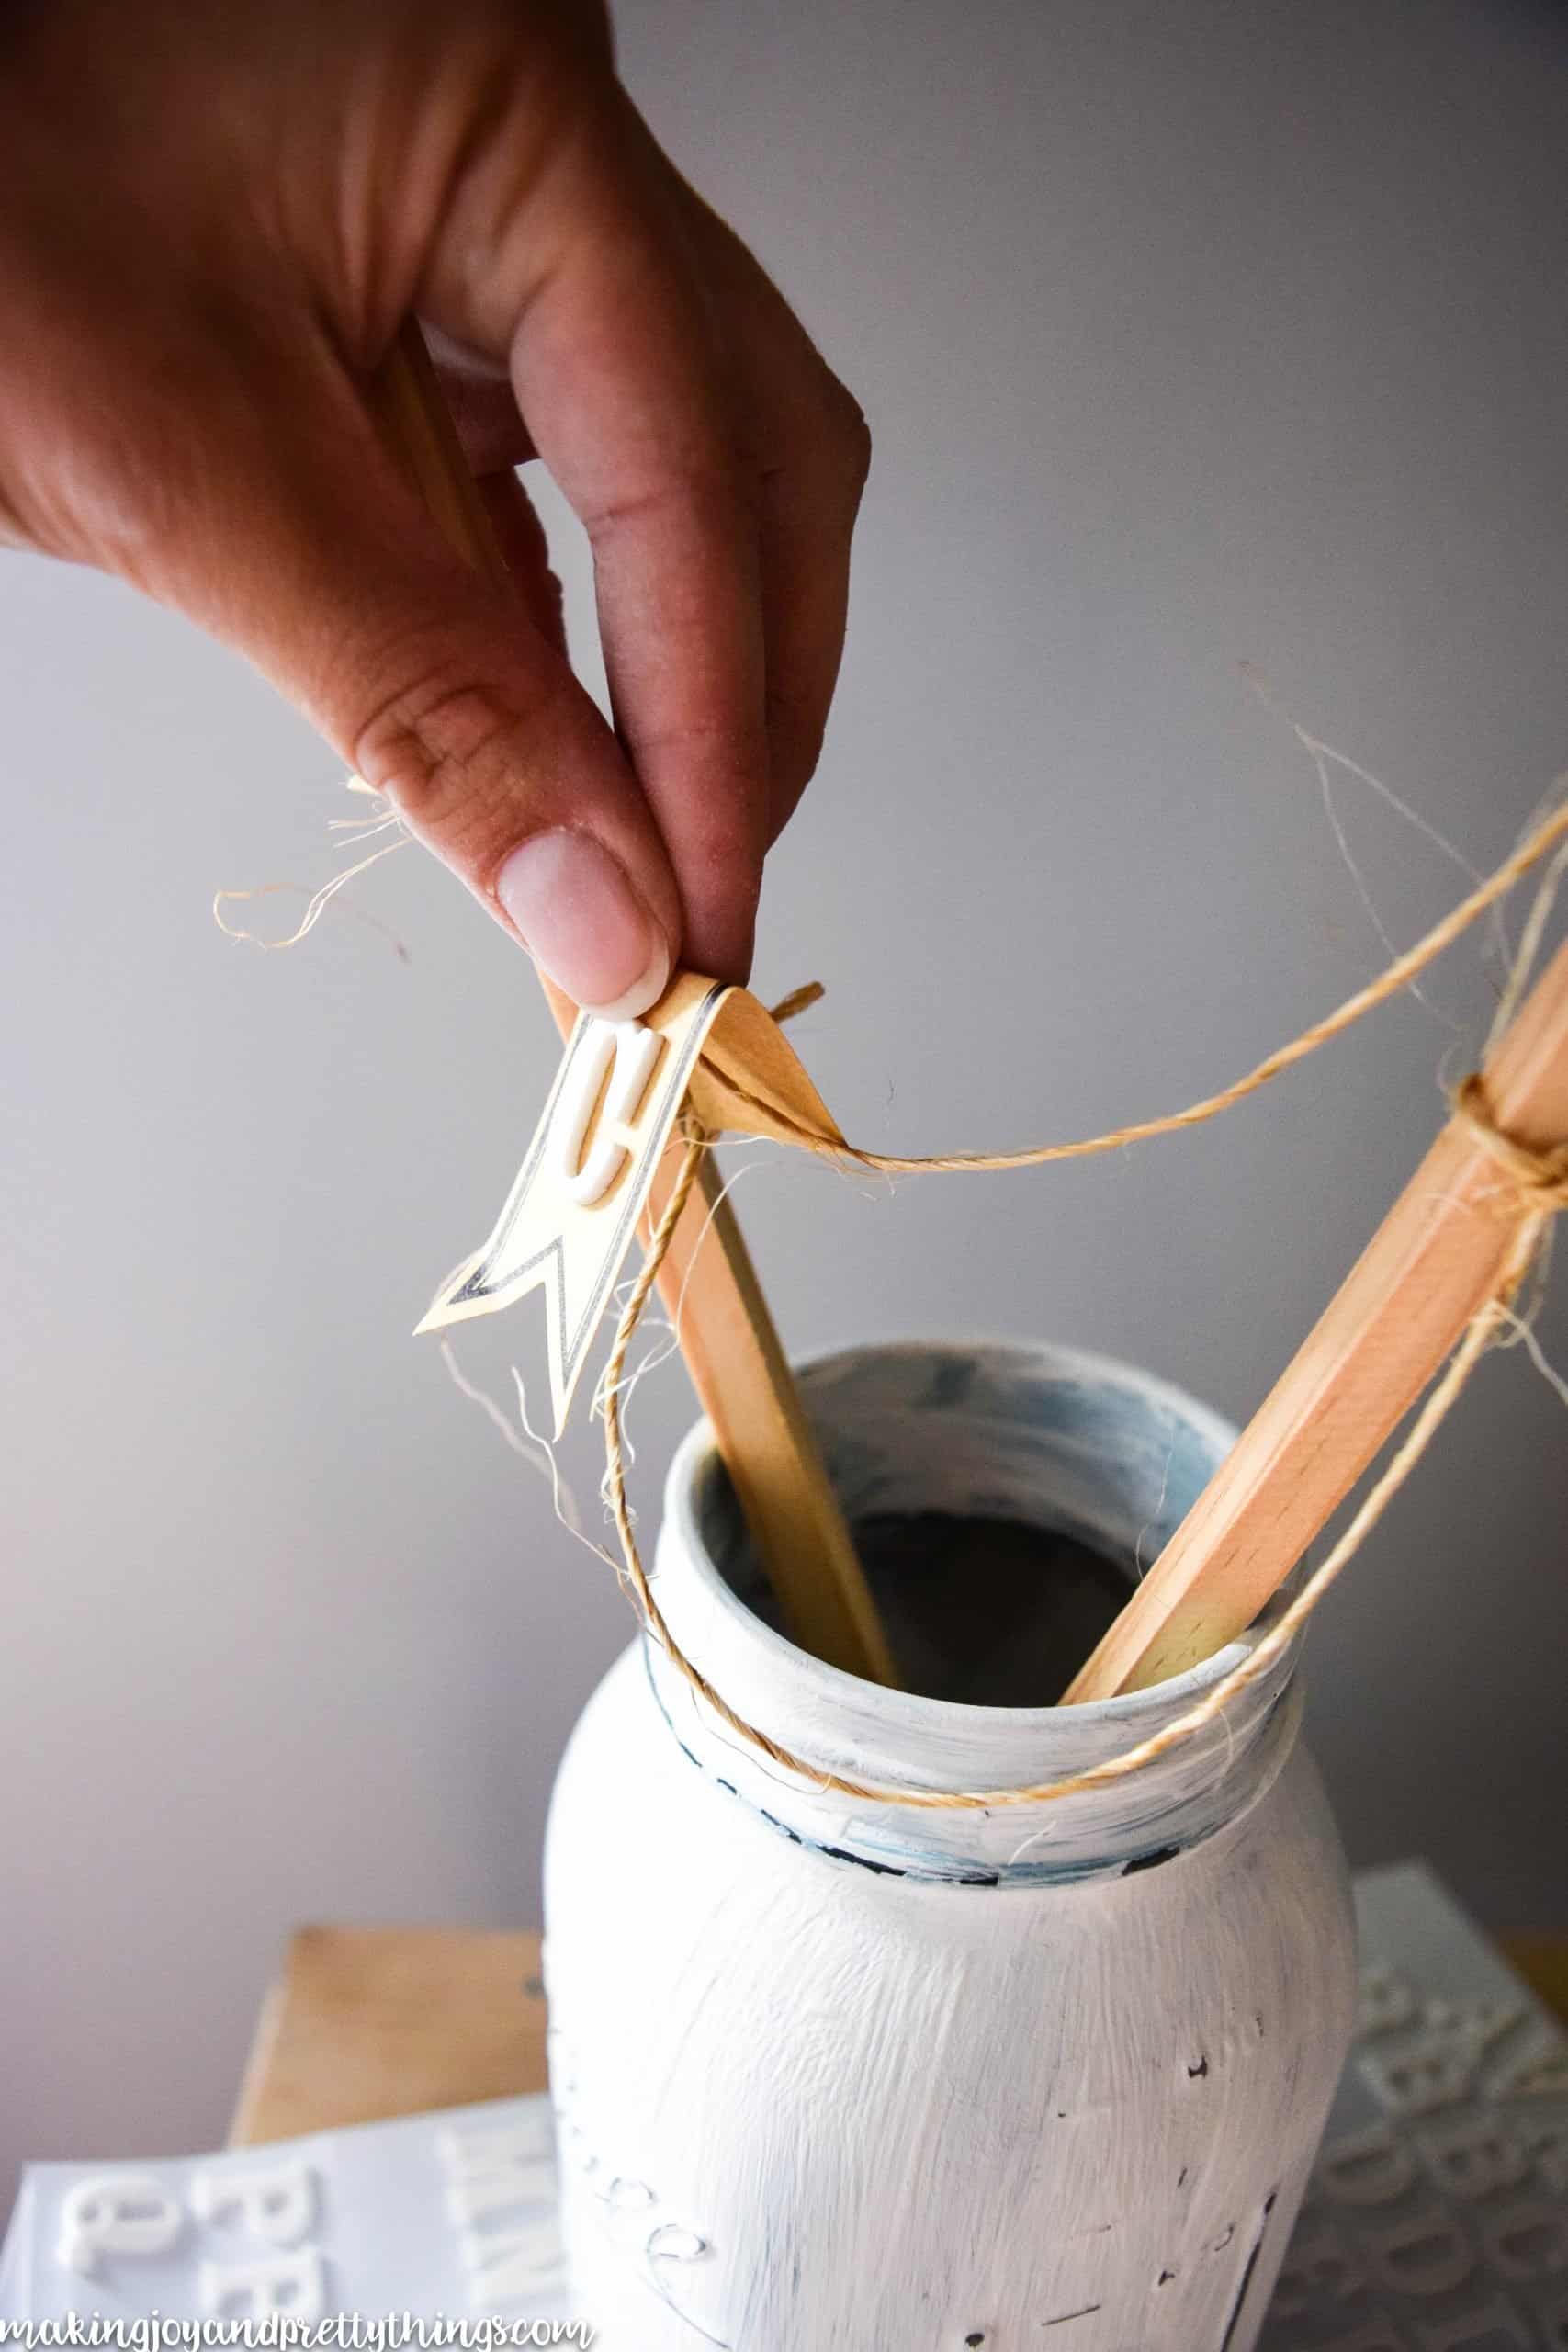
{"x": 619, "y": 377}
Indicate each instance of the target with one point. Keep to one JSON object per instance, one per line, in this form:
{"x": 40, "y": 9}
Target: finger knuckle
{"x": 797, "y": 723}
{"x": 856, "y": 438}
{"x": 441, "y": 742}
{"x": 847, "y": 433}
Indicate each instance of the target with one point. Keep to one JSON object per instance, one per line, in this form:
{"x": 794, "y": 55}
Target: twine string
{"x": 1537, "y": 1185}
{"x": 1532, "y": 1190}
{"x": 1536, "y": 846}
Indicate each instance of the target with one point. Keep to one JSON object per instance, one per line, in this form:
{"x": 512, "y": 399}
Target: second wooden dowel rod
{"x": 1433, "y": 1262}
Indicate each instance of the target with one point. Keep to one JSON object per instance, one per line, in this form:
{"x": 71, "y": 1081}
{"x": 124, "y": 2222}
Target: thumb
{"x": 446, "y": 691}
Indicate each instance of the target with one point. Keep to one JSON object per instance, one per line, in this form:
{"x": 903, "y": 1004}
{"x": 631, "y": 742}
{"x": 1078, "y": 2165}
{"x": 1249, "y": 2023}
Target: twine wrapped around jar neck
{"x": 1070, "y": 1444}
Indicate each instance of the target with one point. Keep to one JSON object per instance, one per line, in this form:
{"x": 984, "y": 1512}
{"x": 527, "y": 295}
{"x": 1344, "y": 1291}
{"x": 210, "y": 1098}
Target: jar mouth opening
{"x": 860, "y": 1399}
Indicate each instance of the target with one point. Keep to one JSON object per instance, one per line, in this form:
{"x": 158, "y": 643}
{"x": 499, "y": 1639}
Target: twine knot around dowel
{"x": 1538, "y": 1185}
{"x": 1534, "y": 1191}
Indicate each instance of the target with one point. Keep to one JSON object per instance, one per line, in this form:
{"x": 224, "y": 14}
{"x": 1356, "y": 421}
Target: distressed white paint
{"x": 963, "y": 2079}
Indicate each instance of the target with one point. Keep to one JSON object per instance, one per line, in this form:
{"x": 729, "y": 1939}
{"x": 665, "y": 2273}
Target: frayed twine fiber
{"x": 1532, "y": 1189}
{"x": 356, "y": 830}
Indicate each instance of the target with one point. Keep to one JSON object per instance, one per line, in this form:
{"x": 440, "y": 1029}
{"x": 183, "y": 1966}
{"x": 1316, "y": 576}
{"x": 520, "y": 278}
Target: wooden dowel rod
{"x": 1435, "y": 1261}
{"x": 732, "y": 1349}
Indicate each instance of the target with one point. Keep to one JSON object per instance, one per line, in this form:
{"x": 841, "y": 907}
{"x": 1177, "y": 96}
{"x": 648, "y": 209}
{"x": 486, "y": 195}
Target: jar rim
{"x": 696, "y": 1462}
{"x": 880, "y": 1753}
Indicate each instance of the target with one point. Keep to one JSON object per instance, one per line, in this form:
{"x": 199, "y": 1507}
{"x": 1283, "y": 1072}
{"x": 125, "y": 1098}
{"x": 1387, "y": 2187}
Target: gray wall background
{"x": 1189, "y": 335}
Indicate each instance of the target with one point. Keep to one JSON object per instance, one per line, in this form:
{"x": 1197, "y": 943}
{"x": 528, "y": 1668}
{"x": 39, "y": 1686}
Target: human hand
{"x": 213, "y": 222}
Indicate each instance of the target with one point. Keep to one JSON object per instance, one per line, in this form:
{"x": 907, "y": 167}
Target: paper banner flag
{"x": 571, "y": 1214}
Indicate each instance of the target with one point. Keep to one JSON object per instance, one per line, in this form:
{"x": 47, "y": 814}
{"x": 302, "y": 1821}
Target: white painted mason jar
{"x": 843, "y": 2076}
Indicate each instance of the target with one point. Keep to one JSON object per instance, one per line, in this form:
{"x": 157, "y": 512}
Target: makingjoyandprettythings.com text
{"x": 346, "y": 2332}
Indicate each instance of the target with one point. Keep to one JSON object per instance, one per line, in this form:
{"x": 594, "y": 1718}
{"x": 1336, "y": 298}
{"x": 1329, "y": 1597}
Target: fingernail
{"x": 585, "y": 924}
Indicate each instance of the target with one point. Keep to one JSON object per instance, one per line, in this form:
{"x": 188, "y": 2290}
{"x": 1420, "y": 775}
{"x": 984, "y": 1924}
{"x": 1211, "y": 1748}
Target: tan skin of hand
{"x": 213, "y": 220}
